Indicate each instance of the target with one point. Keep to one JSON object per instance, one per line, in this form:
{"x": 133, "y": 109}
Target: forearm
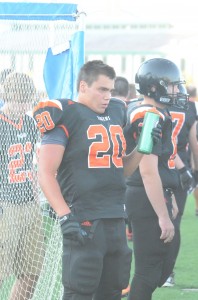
{"x": 154, "y": 191}
{"x": 131, "y": 162}
{"x": 52, "y": 192}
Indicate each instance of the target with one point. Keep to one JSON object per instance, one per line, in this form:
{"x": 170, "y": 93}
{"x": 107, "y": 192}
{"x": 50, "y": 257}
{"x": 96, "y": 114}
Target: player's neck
{"x": 151, "y": 101}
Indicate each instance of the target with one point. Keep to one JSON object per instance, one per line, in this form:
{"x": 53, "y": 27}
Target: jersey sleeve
{"x": 55, "y": 136}
{"x": 135, "y": 119}
{"x": 50, "y": 113}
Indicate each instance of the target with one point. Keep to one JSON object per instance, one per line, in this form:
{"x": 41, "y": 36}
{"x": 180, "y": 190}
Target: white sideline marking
{"x": 190, "y": 290}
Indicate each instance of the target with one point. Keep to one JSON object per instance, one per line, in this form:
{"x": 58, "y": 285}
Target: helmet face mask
{"x": 161, "y": 80}
{"x": 175, "y": 95}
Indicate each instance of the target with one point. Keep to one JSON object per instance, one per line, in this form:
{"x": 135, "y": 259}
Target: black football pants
{"x": 153, "y": 260}
{"x": 100, "y": 268}
{"x": 180, "y": 196}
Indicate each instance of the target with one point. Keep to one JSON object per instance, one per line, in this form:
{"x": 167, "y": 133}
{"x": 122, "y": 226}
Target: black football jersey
{"x": 182, "y": 123}
{"x": 165, "y": 149}
{"x": 91, "y": 172}
{"x": 16, "y": 158}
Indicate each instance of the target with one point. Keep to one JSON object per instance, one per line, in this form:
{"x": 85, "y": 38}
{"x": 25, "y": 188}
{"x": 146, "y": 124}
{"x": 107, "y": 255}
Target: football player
{"x": 82, "y": 164}
{"x": 120, "y": 91}
{"x": 184, "y": 131}
{"x": 21, "y": 251}
{"x": 150, "y": 204}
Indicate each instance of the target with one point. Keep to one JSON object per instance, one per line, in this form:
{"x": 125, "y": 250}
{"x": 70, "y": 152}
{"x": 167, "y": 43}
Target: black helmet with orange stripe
{"x": 154, "y": 78}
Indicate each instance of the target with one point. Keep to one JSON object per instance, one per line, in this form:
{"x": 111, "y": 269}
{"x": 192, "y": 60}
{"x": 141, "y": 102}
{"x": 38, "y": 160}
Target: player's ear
{"x": 153, "y": 88}
{"x": 82, "y": 86}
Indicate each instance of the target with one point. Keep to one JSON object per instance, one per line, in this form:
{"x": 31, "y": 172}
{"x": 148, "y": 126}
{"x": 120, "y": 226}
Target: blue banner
{"x": 37, "y": 11}
{"x": 61, "y": 70}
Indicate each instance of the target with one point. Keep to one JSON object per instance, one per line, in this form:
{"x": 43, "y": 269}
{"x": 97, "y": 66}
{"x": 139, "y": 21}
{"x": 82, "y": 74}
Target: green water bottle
{"x": 145, "y": 143}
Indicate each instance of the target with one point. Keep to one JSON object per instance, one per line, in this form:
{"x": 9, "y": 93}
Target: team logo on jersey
{"x": 107, "y": 118}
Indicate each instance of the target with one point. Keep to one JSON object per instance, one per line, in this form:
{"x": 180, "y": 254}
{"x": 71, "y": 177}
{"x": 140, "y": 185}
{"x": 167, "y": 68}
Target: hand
{"x": 71, "y": 229}
{"x": 157, "y": 133}
{"x": 175, "y": 209}
{"x": 186, "y": 178}
{"x": 167, "y": 229}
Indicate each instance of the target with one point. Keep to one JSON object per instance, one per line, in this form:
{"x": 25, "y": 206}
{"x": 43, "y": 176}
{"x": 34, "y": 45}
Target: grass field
{"x": 186, "y": 269}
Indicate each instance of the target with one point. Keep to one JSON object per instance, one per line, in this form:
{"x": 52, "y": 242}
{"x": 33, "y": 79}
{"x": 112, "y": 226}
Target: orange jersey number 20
{"x": 96, "y": 148}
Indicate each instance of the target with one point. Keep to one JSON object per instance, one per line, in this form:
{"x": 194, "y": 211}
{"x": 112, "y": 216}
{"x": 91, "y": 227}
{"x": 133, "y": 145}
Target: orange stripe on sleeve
{"x": 49, "y": 103}
{"x": 140, "y": 112}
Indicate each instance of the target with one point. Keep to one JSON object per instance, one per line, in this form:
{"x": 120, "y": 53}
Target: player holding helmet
{"x": 150, "y": 204}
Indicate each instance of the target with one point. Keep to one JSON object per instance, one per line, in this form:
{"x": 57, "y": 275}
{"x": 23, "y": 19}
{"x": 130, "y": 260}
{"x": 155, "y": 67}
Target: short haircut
{"x": 121, "y": 87}
{"x": 91, "y": 70}
{"x": 19, "y": 87}
{"x": 132, "y": 94}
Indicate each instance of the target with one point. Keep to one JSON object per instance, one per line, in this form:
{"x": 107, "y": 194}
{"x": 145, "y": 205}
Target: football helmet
{"x": 160, "y": 79}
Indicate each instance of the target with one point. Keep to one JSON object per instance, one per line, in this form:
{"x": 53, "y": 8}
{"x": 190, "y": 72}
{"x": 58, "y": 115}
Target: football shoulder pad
{"x": 118, "y": 108}
{"x": 138, "y": 113}
{"x": 115, "y": 102}
{"x": 50, "y": 113}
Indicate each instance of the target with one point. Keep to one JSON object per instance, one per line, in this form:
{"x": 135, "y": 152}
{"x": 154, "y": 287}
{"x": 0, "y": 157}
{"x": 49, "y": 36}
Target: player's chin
{"x": 101, "y": 110}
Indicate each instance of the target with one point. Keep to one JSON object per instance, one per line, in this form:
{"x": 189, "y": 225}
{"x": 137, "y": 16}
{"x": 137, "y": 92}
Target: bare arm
{"x": 131, "y": 162}
{"x": 153, "y": 186}
{"x": 50, "y": 157}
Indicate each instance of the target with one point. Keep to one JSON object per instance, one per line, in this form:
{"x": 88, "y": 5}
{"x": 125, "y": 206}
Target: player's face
{"x": 97, "y": 95}
{"x": 172, "y": 89}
